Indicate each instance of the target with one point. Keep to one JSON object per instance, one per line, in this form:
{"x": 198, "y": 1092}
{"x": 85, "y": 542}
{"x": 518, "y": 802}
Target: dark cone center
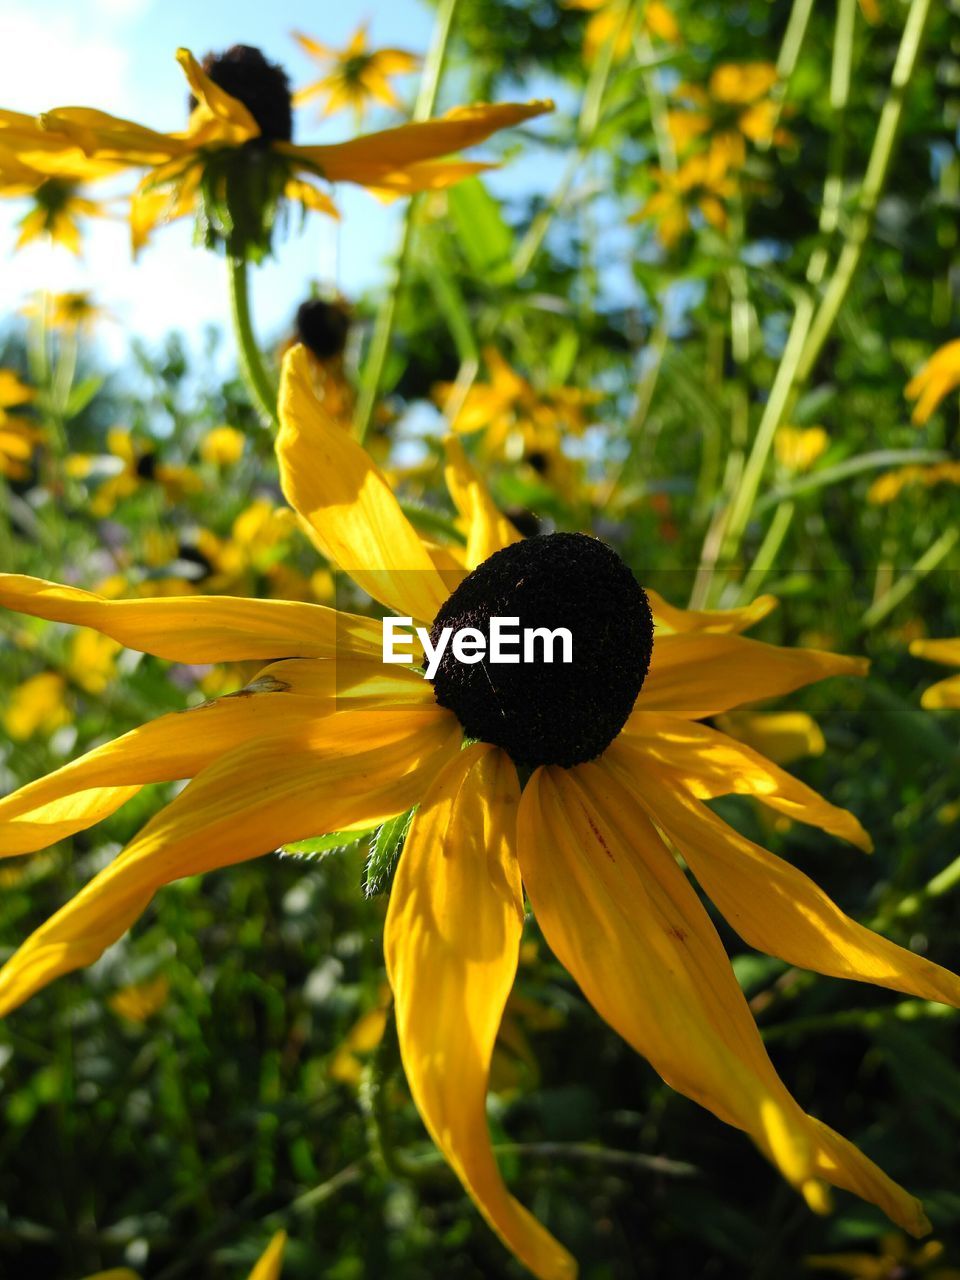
{"x": 549, "y": 712}
{"x": 262, "y": 87}
{"x": 322, "y": 327}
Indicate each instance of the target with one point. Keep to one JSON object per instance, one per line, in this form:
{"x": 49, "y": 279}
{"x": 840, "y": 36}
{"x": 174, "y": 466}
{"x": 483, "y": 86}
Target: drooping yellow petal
{"x": 311, "y": 197}
{"x": 619, "y": 913}
{"x": 347, "y": 504}
{"x": 713, "y": 621}
{"x": 348, "y": 770}
{"x": 270, "y": 1263}
{"x": 698, "y": 675}
{"x": 199, "y": 628}
{"x": 487, "y": 530}
{"x": 102, "y": 136}
{"x": 777, "y": 909}
{"x": 392, "y": 150}
{"x": 781, "y": 736}
{"x": 707, "y": 763}
{"x": 945, "y": 651}
{"x": 945, "y": 693}
{"x": 452, "y": 940}
{"x": 216, "y": 101}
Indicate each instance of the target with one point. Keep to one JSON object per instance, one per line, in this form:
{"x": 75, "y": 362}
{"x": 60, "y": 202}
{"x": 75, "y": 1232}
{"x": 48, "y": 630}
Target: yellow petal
{"x": 392, "y": 150}
{"x": 346, "y": 502}
{"x": 217, "y": 101}
{"x": 452, "y": 940}
{"x": 270, "y": 1263}
{"x": 105, "y": 137}
{"x": 946, "y": 693}
{"x": 487, "y": 530}
{"x": 777, "y": 909}
{"x": 697, "y": 675}
{"x": 619, "y": 913}
{"x": 311, "y": 197}
{"x": 349, "y": 770}
{"x": 945, "y": 651}
{"x": 782, "y": 736}
{"x": 180, "y": 745}
{"x": 199, "y": 628}
{"x": 707, "y": 764}
{"x": 714, "y": 621}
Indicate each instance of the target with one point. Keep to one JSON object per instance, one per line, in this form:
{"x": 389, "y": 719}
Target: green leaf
{"x": 318, "y": 847}
{"x": 81, "y": 395}
{"x": 385, "y": 849}
{"x": 485, "y": 238}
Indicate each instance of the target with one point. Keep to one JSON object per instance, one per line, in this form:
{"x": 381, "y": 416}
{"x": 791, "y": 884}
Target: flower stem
{"x": 383, "y": 329}
{"x": 259, "y": 383}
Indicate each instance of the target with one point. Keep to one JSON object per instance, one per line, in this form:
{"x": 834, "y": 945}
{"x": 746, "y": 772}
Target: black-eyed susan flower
{"x": 354, "y": 76}
{"x": 132, "y": 465}
{"x": 617, "y": 764}
{"x": 934, "y": 381}
{"x": 72, "y": 312}
{"x": 236, "y": 160}
{"x": 702, "y": 184}
{"x": 889, "y": 486}
{"x": 222, "y": 446}
{"x": 518, "y": 422}
{"x": 946, "y": 693}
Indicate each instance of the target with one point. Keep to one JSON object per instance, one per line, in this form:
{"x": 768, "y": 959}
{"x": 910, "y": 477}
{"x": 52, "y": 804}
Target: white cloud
{"x": 47, "y": 62}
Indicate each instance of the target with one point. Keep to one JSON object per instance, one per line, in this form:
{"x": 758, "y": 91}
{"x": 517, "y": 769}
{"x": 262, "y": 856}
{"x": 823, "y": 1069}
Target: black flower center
{"x": 262, "y": 87}
{"x": 544, "y": 712}
{"x": 322, "y": 327}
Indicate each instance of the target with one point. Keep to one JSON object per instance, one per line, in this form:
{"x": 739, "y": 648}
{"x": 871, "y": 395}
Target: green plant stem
{"x": 812, "y": 324}
{"x": 376, "y": 361}
{"x": 767, "y": 555}
{"x": 587, "y": 123}
{"x": 931, "y": 558}
{"x": 793, "y": 38}
{"x": 259, "y": 383}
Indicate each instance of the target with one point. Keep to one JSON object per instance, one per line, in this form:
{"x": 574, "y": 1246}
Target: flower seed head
{"x": 539, "y": 712}
{"x": 322, "y": 327}
{"x": 262, "y": 87}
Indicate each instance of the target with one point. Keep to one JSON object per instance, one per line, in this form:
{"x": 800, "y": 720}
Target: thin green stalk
{"x": 587, "y": 123}
{"x": 931, "y": 558}
{"x": 259, "y": 383}
{"x": 878, "y": 167}
{"x": 766, "y": 557}
{"x": 812, "y": 326}
{"x": 840, "y": 72}
{"x": 793, "y": 38}
{"x": 383, "y": 329}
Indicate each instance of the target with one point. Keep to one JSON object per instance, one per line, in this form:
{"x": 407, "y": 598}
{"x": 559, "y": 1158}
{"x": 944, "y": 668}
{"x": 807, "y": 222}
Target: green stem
{"x": 793, "y": 38}
{"x": 383, "y": 329}
{"x": 587, "y": 124}
{"x": 259, "y": 383}
{"x": 934, "y": 554}
{"x": 767, "y": 555}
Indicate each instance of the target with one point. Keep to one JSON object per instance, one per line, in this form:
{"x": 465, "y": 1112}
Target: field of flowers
{"x": 640, "y": 967}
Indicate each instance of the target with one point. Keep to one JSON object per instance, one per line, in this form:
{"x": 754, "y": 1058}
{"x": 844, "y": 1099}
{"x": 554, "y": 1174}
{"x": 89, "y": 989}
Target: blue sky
{"x": 118, "y": 55}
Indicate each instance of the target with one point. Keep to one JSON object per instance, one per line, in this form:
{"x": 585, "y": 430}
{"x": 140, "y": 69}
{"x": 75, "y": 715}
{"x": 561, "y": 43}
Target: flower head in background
{"x": 895, "y": 1259}
{"x": 236, "y": 161}
{"x": 888, "y": 486}
{"x": 355, "y": 76}
{"x": 72, "y": 312}
{"x": 702, "y": 184}
{"x": 619, "y": 767}
{"x": 139, "y": 465}
{"x": 799, "y": 448}
{"x": 736, "y": 106}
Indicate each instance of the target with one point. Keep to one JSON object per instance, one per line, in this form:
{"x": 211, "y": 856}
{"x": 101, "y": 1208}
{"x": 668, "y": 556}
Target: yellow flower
{"x": 222, "y": 446}
{"x": 346, "y": 1065}
{"x": 39, "y": 705}
{"x": 520, "y": 423}
{"x": 236, "y": 160}
{"x": 703, "y": 183}
{"x": 68, "y": 312}
{"x": 896, "y": 1259}
{"x": 798, "y": 448}
{"x": 618, "y": 783}
{"x": 91, "y": 660}
{"x": 141, "y": 1000}
{"x": 947, "y": 692}
{"x": 355, "y": 75}
{"x": 19, "y": 437}
{"x": 609, "y": 21}
{"x": 938, "y": 377}
{"x": 139, "y": 466}
{"x": 891, "y": 484}
{"x": 735, "y": 106}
